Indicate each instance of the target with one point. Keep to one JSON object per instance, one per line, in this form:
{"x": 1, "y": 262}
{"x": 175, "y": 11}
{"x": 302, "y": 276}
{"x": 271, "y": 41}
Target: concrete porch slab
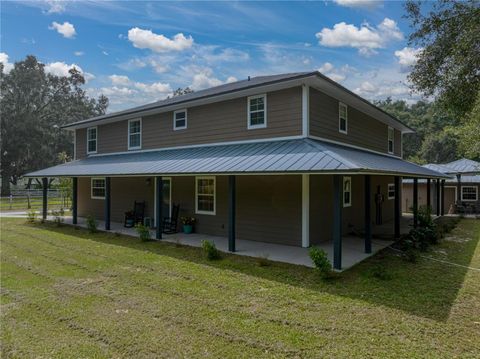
{"x": 352, "y": 246}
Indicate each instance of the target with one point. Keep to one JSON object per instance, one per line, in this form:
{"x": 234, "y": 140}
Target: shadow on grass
{"x": 427, "y": 288}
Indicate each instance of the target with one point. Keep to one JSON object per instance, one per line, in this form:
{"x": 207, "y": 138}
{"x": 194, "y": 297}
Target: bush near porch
{"x": 70, "y": 293}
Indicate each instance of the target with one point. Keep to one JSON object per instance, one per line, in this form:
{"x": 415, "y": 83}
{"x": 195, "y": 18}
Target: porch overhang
{"x": 293, "y": 156}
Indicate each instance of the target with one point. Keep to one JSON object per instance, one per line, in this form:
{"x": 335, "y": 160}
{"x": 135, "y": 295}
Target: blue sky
{"x": 137, "y": 52}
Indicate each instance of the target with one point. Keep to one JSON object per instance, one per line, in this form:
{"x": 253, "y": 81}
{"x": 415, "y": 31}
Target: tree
{"x": 448, "y": 67}
{"x": 33, "y": 107}
{"x": 181, "y": 91}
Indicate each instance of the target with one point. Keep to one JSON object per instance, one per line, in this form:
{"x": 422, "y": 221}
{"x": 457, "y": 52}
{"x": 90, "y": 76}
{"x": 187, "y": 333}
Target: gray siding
{"x": 220, "y": 122}
{"x": 363, "y": 130}
{"x": 321, "y": 206}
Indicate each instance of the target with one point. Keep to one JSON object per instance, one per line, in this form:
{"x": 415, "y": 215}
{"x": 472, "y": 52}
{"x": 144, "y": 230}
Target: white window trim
{"x": 175, "y": 128}
{"x": 96, "y": 140}
{"x": 91, "y": 187}
{"x": 393, "y": 140}
{"x": 346, "y": 178}
{"x": 469, "y": 200}
{"x": 340, "y": 104}
{"x": 388, "y": 191}
{"x": 264, "y": 125}
{"x": 214, "y": 195}
{"x": 134, "y": 147}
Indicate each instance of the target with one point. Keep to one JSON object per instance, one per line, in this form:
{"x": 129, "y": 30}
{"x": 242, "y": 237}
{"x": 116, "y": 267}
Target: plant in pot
{"x": 188, "y": 223}
{"x": 129, "y": 219}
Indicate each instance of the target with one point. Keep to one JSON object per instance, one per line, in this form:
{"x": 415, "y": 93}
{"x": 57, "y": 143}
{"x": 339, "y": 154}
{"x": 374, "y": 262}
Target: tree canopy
{"x": 33, "y": 107}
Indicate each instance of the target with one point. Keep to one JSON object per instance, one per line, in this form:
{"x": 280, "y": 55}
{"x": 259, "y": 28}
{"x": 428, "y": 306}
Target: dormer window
{"x": 342, "y": 118}
{"x": 91, "y": 140}
{"x": 135, "y": 134}
{"x": 391, "y": 136}
{"x": 257, "y": 114}
{"x": 180, "y": 120}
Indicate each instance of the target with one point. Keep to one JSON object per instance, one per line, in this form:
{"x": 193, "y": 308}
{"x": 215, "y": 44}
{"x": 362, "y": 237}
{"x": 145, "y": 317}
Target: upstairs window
{"x": 205, "y": 195}
{"x": 347, "y": 191}
{"x": 469, "y": 193}
{"x": 257, "y": 114}
{"x": 342, "y": 118}
{"x": 391, "y": 190}
{"x": 391, "y": 136}
{"x": 180, "y": 120}
{"x": 98, "y": 188}
{"x": 91, "y": 140}
{"x": 134, "y": 134}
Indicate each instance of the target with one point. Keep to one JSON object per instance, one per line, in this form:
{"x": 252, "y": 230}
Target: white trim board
{"x": 305, "y": 210}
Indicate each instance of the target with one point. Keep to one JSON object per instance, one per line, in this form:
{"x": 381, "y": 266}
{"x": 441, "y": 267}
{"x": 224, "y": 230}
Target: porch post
{"x": 44, "y": 197}
{"x": 231, "y": 213}
{"x": 437, "y": 187}
{"x": 442, "y": 196}
{"x": 158, "y": 204}
{"x": 74, "y": 199}
{"x": 459, "y": 188}
{"x": 415, "y": 202}
{"x": 368, "y": 214}
{"x": 397, "y": 210}
{"x": 107, "y": 203}
{"x": 429, "y": 205}
{"x": 305, "y": 210}
{"x": 337, "y": 221}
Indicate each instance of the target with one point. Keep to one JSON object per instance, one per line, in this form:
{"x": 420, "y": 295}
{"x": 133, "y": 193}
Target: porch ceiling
{"x": 270, "y": 157}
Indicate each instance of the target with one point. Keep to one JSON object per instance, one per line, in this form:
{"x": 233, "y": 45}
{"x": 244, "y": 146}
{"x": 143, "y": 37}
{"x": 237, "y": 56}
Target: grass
{"x": 21, "y": 203}
{"x": 68, "y": 293}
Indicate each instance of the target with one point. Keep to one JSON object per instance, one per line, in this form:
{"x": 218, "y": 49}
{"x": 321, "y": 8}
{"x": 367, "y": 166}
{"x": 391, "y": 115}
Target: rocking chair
{"x": 170, "y": 223}
{"x": 135, "y": 216}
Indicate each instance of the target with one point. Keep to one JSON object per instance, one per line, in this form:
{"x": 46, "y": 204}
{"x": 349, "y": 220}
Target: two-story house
{"x": 295, "y": 159}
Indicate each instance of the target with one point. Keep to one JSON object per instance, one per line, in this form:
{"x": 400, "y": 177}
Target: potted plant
{"x": 188, "y": 223}
{"x": 129, "y": 219}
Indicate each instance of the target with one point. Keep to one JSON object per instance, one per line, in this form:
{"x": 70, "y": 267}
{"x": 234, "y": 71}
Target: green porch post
{"x": 231, "y": 213}
{"x": 337, "y": 221}
{"x": 442, "y": 196}
{"x": 397, "y": 210}
{"x": 74, "y": 200}
{"x": 44, "y": 197}
{"x": 429, "y": 204}
{"x": 415, "y": 202}
{"x": 158, "y": 209}
{"x": 368, "y": 215}
{"x": 459, "y": 188}
{"x": 437, "y": 187}
{"x": 107, "y": 203}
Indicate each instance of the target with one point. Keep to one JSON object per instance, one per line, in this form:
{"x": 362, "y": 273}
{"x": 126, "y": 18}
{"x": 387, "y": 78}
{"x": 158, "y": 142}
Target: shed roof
{"x": 281, "y": 156}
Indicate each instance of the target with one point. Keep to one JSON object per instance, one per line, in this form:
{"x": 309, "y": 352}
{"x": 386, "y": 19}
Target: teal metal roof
{"x": 286, "y": 156}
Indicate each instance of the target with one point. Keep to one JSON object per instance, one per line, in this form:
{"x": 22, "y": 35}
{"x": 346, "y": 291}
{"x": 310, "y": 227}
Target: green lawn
{"x": 67, "y": 293}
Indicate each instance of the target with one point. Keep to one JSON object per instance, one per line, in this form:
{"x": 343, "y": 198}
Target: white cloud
{"x": 408, "y": 56}
{"x": 146, "y": 39}
{"x": 66, "y": 29}
{"x": 154, "y": 88}
{"x": 7, "y": 66}
{"x": 369, "y": 4}
{"x": 79, "y": 53}
{"x": 326, "y": 67}
{"x": 336, "y": 74}
{"x": 61, "y": 69}
{"x": 364, "y": 38}
{"x": 119, "y": 80}
{"x": 55, "y": 6}
{"x": 204, "y": 78}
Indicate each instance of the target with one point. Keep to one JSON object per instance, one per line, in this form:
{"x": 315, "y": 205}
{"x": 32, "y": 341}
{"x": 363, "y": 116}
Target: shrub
{"x": 320, "y": 260}
{"x": 31, "y": 216}
{"x": 262, "y": 260}
{"x": 91, "y": 224}
{"x": 410, "y": 255}
{"x": 425, "y": 216}
{"x": 210, "y": 250}
{"x": 58, "y": 216}
{"x": 143, "y": 232}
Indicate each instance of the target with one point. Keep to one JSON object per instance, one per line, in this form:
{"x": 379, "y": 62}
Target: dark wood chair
{"x": 135, "y": 216}
{"x": 170, "y": 224}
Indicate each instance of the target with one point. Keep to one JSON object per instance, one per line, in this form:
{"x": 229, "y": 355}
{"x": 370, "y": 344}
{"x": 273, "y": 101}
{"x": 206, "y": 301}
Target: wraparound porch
{"x": 353, "y": 249}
